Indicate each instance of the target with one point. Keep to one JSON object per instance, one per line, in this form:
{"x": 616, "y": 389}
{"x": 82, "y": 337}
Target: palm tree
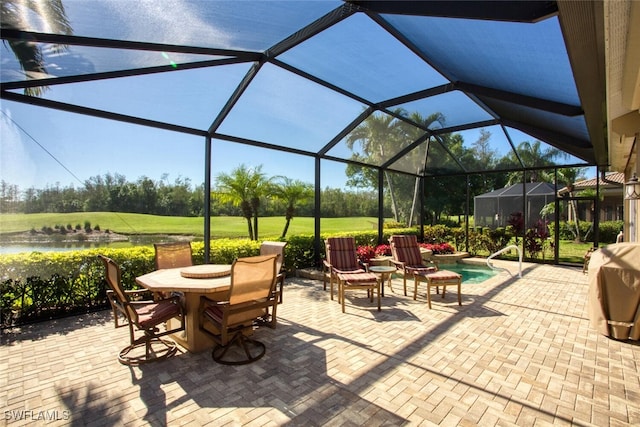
{"x": 382, "y": 134}
{"x": 419, "y": 163}
{"x": 374, "y": 134}
{"x": 13, "y": 15}
{"x": 532, "y": 156}
{"x": 568, "y": 176}
{"x": 292, "y": 192}
{"x": 235, "y": 188}
{"x": 259, "y": 188}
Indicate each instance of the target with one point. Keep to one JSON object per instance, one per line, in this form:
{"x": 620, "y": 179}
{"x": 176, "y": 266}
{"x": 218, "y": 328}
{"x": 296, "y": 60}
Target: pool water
{"x": 470, "y": 273}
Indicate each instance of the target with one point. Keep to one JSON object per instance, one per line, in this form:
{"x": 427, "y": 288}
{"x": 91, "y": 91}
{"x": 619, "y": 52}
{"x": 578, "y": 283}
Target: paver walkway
{"x": 517, "y": 352}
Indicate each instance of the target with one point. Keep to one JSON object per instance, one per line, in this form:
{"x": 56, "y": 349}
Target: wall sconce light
{"x": 632, "y": 188}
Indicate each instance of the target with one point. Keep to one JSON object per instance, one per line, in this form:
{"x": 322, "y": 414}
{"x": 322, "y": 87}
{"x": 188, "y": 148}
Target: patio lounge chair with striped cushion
{"x": 407, "y": 258}
{"x": 341, "y": 257}
{"x": 345, "y": 269}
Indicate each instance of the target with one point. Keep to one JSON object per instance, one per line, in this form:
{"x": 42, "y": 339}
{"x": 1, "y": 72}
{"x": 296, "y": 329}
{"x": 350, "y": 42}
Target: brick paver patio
{"x": 517, "y": 352}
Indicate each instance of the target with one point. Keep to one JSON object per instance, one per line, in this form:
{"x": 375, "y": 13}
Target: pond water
{"x": 20, "y": 247}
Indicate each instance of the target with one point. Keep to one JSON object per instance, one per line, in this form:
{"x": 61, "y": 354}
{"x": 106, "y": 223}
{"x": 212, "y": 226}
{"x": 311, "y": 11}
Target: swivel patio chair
{"x": 408, "y": 260}
{"x": 173, "y": 255}
{"x": 268, "y": 248}
{"x": 231, "y": 323}
{"x": 143, "y": 316}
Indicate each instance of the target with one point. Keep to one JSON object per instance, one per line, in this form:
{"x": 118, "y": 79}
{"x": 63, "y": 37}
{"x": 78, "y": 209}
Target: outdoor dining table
{"x": 212, "y": 280}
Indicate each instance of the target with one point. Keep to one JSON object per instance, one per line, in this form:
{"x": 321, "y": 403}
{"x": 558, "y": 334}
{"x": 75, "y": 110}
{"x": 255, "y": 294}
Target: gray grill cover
{"x": 614, "y": 291}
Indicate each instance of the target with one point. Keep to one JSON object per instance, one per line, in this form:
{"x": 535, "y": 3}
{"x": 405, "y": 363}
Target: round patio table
{"x": 385, "y": 273}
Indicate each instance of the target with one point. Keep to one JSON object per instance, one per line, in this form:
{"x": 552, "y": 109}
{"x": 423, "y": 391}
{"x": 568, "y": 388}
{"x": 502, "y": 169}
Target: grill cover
{"x": 614, "y": 291}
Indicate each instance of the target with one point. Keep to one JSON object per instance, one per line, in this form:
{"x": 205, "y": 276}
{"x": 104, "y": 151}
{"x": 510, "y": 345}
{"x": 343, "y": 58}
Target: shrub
{"x": 535, "y": 239}
{"x": 383, "y": 250}
{"x": 497, "y": 239}
{"x": 365, "y": 253}
{"x": 436, "y": 233}
{"x": 393, "y": 224}
{"x": 438, "y": 248}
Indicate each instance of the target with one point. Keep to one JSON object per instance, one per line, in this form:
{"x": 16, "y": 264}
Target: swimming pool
{"x": 470, "y": 273}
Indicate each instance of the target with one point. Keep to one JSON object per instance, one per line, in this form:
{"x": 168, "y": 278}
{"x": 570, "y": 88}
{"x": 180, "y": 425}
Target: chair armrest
{"x": 398, "y": 264}
{"x": 206, "y": 301}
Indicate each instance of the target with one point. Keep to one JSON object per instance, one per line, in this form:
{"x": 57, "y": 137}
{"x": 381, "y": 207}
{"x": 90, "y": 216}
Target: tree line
{"x": 245, "y": 192}
{"x": 473, "y": 165}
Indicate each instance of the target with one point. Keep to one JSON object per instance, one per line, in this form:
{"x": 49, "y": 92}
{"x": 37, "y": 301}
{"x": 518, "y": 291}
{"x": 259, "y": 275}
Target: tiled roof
{"x": 616, "y": 177}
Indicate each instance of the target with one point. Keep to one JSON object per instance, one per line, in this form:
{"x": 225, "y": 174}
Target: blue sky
{"x": 43, "y": 147}
{"x": 87, "y": 146}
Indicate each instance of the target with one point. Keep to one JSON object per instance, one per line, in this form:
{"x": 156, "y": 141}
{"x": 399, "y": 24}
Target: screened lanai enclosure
{"x": 496, "y": 208}
{"x": 386, "y": 94}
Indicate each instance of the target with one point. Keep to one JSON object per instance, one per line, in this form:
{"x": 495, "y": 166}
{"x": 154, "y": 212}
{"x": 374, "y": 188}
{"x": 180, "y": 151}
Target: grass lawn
{"x": 221, "y": 226}
{"x": 570, "y": 252}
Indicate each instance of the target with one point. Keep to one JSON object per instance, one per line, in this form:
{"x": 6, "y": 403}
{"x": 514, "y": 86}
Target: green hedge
{"x": 38, "y": 286}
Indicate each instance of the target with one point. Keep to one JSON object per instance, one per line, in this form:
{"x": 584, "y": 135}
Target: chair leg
{"x": 404, "y": 279}
{"x": 429, "y": 293}
{"x": 331, "y": 286}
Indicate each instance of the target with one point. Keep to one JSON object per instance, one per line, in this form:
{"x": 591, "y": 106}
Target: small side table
{"x": 385, "y": 273}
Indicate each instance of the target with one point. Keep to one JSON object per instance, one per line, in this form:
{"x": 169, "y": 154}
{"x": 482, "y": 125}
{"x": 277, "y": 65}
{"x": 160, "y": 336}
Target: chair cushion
{"x": 151, "y": 315}
{"x": 214, "y": 313}
{"x": 358, "y": 277}
{"x": 344, "y": 260}
{"x": 420, "y": 269}
{"x": 441, "y": 275}
{"x": 405, "y": 249}
{"x": 348, "y": 270}
{"x": 341, "y": 253}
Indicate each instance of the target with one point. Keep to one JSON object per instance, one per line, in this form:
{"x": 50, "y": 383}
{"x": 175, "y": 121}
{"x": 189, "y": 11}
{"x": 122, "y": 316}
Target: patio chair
{"x": 268, "y": 248}
{"x": 173, "y": 255}
{"x": 349, "y": 281}
{"x": 230, "y": 323}
{"x": 341, "y": 257}
{"x": 407, "y": 258}
{"x": 145, "y": 316}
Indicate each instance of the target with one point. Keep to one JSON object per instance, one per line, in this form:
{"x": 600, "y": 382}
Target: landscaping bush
{"x": 608, "y": 231}
{"x": 436, "y": 233}
{"x": 37, "y": 286}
